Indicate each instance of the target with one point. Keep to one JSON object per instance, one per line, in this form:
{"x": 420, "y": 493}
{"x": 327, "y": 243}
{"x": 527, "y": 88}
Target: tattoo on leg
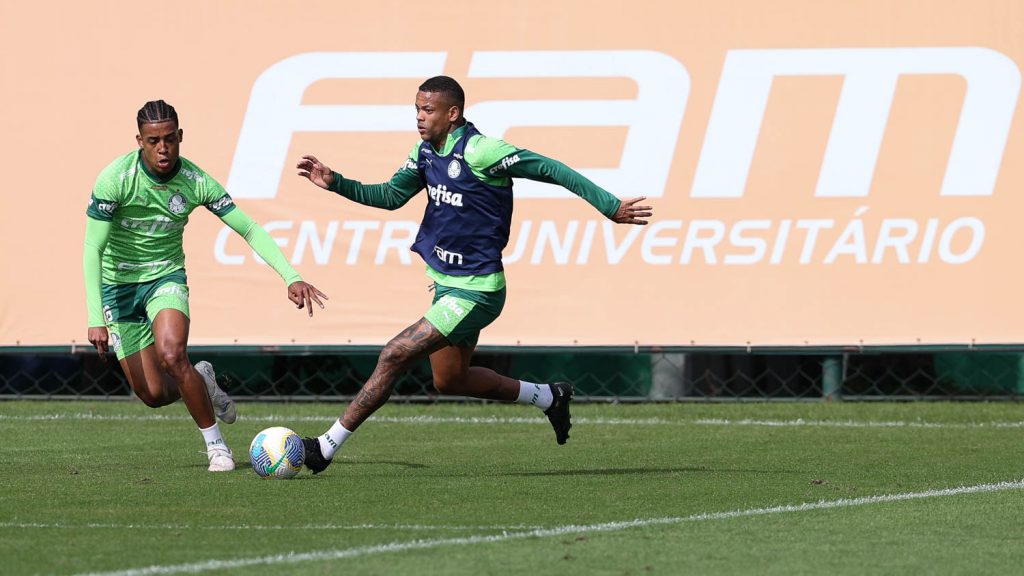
{"x": 365, "y": 399}
{"x": 413, "y": 343}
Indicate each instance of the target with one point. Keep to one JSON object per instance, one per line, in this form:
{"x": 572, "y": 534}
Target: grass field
{"x": 761, "y": 488}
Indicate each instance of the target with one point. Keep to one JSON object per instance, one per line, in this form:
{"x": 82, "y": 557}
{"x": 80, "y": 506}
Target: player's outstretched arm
{"x": 390, "y": 195}
{"x": 498, "y": 158}
{"x": 303, "y": 294}
{"x": 630, "y": 213}
{"x": 96, "y": 234}
{"x": 317, "y": 172}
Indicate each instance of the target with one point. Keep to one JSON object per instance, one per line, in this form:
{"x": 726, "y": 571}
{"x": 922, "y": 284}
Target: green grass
{"x": 97, "y": 487}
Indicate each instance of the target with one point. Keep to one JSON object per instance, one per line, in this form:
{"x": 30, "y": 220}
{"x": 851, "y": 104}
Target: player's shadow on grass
{"x": 414, "y": 465}
{"x": 410, "y": 465}
{"x": 641, "y": 471}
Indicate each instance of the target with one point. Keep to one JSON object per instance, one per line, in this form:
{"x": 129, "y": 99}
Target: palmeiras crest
{"x": 176, "y": 204}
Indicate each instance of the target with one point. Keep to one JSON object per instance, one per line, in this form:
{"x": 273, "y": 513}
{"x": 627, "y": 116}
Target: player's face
{"x": 435, "y": 117}
{"x": 160, "y": 143}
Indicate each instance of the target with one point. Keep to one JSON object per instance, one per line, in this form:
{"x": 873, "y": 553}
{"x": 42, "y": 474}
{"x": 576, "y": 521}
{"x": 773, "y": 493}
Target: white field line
{"x": 354, "y": 527}
{"x": 490, "y": 420}
{"x": 341, "y": 553}
{"x": 90, "y": 416}
{"x": 798, "y": 422}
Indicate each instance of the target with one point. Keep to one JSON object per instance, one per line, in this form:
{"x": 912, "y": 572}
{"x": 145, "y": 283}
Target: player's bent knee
{"x": 175, "y": 362}
{"x": 147, "y": 396}
{"x": 449, "y": 386}
{"x": 152, "y": 402}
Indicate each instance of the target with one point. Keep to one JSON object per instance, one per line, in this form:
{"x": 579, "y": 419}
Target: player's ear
{"x": 138, "y": 140}
{"x": 453, "y": 113}
{"x": 181, "y": 134}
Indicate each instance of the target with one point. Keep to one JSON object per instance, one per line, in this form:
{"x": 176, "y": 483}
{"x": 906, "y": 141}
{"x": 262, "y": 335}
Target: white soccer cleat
{"x": 223, "y": 405}
{"x": 220, "y": 459}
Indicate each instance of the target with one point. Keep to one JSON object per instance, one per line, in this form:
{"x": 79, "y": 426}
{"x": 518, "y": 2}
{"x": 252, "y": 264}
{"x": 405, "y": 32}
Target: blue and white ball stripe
{"x": 276, "y": 453}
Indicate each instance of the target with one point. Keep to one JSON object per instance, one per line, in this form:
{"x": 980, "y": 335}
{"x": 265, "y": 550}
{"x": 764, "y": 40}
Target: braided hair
{"x": 156, "y": 111}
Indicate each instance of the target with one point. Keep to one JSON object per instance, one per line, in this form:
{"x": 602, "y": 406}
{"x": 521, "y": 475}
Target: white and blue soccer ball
{"x": 276, "y": 453}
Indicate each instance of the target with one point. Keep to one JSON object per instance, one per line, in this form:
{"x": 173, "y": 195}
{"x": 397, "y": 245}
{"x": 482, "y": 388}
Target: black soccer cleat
{"x": 558, "y": 412}
{"x": 314, "y": 458}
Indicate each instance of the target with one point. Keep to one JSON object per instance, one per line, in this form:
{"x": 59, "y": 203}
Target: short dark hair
{"x": 448, "y": 87}
{"x": 156, "y": 111}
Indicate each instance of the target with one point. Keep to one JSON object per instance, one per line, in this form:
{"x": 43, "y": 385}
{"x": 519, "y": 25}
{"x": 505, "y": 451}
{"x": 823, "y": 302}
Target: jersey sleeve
{"x": 214, "y": 197}
{"x": 106, "y": 196}
{"x": 390, "y": 195}
{"x": 100, "y": 209}
{"x": 499, "y": 160}
{"x": 103, "y": 202}
{"x": 484, "y": 156}
{"x": 97, "y": 231}
{"x": 261, "y": 243}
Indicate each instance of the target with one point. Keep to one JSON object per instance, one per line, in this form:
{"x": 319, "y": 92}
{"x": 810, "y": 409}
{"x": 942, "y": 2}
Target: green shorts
{"x": 129, "y": 310}
{"x": 459, "y": 315}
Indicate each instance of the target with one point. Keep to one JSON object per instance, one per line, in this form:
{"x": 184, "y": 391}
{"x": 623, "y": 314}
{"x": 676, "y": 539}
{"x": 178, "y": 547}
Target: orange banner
{"x": 823, "y": 173}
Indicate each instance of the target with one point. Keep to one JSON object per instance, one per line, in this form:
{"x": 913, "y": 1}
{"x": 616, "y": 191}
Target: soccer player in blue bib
{"x": 465, "y": 226}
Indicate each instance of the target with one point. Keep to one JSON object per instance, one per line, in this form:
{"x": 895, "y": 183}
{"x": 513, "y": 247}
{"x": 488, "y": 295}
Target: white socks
{"x": 332, "y": 440}
{"x": 537, "y": 394}
{"x": 212, "y": 437}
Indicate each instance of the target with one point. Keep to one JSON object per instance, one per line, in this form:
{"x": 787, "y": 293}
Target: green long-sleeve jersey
{"x": 136, "y": 222}
{"x": 492, "y": 161}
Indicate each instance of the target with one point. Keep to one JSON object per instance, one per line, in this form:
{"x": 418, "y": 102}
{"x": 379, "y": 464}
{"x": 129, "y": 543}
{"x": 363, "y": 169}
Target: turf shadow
{"x": 641, "y": 471}
{"x": 411, "y": 465}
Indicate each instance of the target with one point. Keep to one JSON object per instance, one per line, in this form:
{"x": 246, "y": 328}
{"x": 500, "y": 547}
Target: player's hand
{"x": 99, "y": 337}
{"x": 303, "y": 295}
{"x": 319, "y": 174}
{"x": 630, "y": 213}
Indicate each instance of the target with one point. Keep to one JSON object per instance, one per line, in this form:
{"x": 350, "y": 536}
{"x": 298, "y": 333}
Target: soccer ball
{"x": 276, "y": 453}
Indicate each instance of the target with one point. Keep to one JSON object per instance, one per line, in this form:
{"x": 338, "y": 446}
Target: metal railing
{"x": 598, "y": 374}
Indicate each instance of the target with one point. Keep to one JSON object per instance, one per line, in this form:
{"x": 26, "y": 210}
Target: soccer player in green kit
{"x": 465, "y": 226}
{"x": 134, "y": 265}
